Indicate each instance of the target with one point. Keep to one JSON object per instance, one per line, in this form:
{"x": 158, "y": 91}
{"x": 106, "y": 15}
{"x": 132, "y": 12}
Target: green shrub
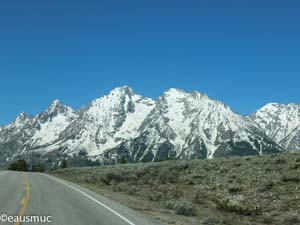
{"x": 181, "y": 207}
{"x": 155, "y": 196}
{"x": 19, "y": 165}
{"x": 235, "y": 189}
{"x": 236, "y": 204}
{"x": 64, "y": 164}
{"x": 291, "y": 219}
{"x": 295, "y": 166}
{"x": 291, "y": 178}
{"x": 280, "y": 161}
{"x": 185, "y": 208}
{"x": 257, "y": 192}
{"x": 38, "y": 168}
{"x": 267, "y": 186}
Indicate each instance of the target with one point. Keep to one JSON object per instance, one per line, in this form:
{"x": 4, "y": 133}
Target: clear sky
{"x": 245, "y": 53}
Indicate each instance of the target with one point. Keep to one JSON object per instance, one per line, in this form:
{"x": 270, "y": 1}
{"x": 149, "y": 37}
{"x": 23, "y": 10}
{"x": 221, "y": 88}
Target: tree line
{"x": 22, "y": 165}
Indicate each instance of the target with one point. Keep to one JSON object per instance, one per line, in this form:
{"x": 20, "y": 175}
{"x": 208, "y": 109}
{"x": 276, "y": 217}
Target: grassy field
{"x": 231, "y": 191}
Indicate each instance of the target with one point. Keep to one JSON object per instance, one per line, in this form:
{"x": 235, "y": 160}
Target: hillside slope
{"x": 256, "y": 190}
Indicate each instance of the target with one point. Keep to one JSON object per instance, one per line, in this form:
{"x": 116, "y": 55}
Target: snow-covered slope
{"x": 33, "y": 132}
{"x": 281, "y": 123}
{"x": 191, "y": 125}
{"x": 106, "y": 122}
{"x": 51, "y": 123}
{"x": 178, "y": 125}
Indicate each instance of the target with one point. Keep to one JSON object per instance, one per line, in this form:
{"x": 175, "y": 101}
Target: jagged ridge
{"x": 178, "y": 125}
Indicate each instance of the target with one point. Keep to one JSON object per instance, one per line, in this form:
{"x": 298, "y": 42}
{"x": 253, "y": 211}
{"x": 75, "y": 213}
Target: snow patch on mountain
{"x": 178, "y": 125}
{"x": 107, "y": 121}
{"x": 281, "y": 123}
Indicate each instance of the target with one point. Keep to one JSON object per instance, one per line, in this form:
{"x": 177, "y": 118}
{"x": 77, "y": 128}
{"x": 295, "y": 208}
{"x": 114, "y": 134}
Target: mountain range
{"x": 124, "y": 125}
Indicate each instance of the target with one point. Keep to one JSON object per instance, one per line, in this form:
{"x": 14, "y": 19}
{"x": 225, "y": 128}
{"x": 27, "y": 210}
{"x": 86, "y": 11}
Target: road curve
{"x": 62, "y": 202}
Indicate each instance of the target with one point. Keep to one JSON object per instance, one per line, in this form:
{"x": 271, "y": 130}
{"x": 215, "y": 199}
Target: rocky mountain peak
{"x": 56, "y": 108}
{"x": 121, "y": 91}
{"x": 281, "y": 123}
{"x": 22, "y": 116}
{"x": 21, "y": 120}
{"x": 179, "y": 125}
{"x": 174, "y": 93}
{"x": 198, "y": 95}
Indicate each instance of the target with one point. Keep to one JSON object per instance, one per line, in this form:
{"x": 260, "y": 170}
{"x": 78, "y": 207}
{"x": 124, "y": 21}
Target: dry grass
{"x": 241, "y": 191}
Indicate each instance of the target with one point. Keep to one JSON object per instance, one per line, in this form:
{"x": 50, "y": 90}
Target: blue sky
{"x": 244, "y": 53}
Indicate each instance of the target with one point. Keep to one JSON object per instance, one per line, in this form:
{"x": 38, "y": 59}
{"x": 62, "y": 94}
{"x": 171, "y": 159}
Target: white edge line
{"x": 93, "y": 199}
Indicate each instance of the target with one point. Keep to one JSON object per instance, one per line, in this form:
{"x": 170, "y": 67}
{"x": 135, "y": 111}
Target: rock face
{"x": 178, "y": 125}
{"x": 106, "y": 122}
{"x": 33, "y": 133}
{"x": 191, "y": 125}
{"x": 281, "y": 123}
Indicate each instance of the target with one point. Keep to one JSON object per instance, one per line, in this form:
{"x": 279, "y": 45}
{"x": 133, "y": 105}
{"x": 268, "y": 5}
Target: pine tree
{"x": 19, "y": 165}
{"x": 64, "y": 164}
{"x": 123, "y": 160}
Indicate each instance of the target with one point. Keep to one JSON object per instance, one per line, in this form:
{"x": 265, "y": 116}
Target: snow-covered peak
{"x": 114, "y": 97}
{"x": 56, "y": 102}
{"x": 286, "y": 115}
{"x": 178, "y": 125}
{"x": 194, "y": 96}
{"x": 198, "y": 95}
{"x": 108, "y": 120}
{"x": 50, "y": 123}
{"x": 22, "y": 116}
{"x": 180, "y": 118}
{"x": 175, "y": 92}
{"x": 178, "y": 93}
{"x": 276, "y": 107}
{"x": 20, "y": 121}
{"x": 57, "y": 108}
{"x": 118, "y": 100}
{"x": 124, "y": 90}
{"x": 278, "y": 120}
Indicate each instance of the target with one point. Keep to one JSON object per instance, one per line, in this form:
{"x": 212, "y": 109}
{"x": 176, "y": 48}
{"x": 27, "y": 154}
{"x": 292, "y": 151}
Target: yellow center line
{"x": 25, "y": 200}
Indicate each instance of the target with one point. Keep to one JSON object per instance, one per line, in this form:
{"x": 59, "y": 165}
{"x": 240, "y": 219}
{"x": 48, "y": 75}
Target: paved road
{"x": 36, "y": 194}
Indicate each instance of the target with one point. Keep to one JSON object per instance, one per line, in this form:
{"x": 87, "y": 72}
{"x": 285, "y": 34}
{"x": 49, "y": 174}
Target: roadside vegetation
{"x": 255, "y": 190}
{"x": 21, "y": 165}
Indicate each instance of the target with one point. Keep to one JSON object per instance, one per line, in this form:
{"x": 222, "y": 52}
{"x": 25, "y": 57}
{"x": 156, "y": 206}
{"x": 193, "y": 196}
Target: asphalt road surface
{"x": 35, "y": 198}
